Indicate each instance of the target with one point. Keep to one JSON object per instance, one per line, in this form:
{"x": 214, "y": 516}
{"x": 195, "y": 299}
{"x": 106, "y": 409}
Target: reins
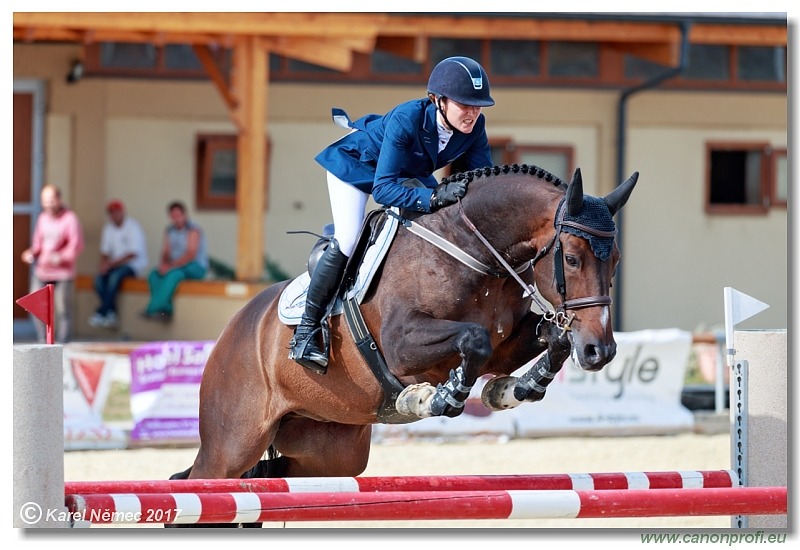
{"x": 445, "y": 245}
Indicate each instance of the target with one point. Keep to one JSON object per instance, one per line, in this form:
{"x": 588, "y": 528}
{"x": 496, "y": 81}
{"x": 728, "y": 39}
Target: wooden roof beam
{"x": 738, "y": 35}
{"x": 342, "y": 25}
{"x": 663, "y": 54}
{"x": 529, "y": 28}
{"x": 325, "y": 53}
{"x": 414, "y": 48}
{"x": 210, "y": 27}
{"x": 36, "y": 34}
{"x": 526, "y": 28}
{"x": 206, "y": 58}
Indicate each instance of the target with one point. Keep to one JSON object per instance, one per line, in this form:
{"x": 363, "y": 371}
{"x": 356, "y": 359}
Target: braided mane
{"x": 505, "y": 169}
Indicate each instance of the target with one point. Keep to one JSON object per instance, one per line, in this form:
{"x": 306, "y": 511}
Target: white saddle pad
{"x": 292, "y": 302}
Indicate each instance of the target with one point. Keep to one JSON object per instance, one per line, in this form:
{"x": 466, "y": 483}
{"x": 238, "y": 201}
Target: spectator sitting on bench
{"x": 183, "y": 256}
{"x": 123, "y": 253}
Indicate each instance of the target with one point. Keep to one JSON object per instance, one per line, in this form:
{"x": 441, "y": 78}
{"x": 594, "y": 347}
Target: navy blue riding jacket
{"x": 385, "y": 150}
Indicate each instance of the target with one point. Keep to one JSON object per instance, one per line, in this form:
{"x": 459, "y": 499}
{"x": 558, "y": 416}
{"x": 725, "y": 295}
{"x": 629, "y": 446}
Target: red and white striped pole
{"x": 679, "y": 479}
{"x": 244, "y": 507}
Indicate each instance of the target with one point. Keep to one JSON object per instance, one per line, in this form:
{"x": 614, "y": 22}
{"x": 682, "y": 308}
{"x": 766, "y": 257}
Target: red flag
{"x": 40, "y": 304}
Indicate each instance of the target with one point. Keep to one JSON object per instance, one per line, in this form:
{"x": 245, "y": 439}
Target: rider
{"x": 393, "y": 157}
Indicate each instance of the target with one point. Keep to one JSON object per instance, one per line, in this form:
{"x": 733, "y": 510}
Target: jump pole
{"x": 575, "y": 482}
{"x": 190, "y": 508}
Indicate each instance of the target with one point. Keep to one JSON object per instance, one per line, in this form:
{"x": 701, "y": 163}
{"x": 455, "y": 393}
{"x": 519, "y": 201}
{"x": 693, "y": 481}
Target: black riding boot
{"x": 304, "y": 347}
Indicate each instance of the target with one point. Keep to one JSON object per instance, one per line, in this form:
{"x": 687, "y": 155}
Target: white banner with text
{"x": 639, "y": 392}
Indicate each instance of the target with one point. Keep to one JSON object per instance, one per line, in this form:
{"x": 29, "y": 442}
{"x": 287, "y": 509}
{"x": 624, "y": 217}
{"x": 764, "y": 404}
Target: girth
{"x": 387, "y": 412}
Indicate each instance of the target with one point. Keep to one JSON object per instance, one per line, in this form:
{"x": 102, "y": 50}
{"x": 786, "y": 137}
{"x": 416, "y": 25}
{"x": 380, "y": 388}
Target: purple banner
{"x": 165, "y": 386}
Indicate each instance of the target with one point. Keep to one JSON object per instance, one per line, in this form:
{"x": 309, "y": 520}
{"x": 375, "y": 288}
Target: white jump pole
{"x": 39, "y": 437}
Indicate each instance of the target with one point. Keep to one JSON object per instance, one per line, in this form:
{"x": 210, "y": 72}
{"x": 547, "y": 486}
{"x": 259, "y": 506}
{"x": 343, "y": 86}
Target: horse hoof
{"x": 415, "y": 400}
{"x": 498, "y": 393}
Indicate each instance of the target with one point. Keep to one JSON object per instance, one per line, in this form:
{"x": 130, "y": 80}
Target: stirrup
{"x": 315, "y": 360}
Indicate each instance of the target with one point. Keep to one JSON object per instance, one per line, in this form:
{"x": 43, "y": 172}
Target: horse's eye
{"x": 572, "y": 261}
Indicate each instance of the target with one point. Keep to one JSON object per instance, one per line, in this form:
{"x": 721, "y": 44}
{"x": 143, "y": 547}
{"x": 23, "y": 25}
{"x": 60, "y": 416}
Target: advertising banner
{"x": 87, "y": 381}
{"x": 165, "y": 386}
{"x": 639, "y": 392}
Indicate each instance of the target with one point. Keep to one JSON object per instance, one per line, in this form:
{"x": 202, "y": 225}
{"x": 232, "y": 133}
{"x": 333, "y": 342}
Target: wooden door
{"x": 26, "y": 100}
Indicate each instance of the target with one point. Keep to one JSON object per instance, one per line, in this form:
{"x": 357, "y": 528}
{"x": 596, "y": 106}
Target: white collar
{"x": 444, "y": 134}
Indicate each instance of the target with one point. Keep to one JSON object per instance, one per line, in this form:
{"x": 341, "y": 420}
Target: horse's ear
{"x": 575, "y": 194}
{"x": 619, "y": 196}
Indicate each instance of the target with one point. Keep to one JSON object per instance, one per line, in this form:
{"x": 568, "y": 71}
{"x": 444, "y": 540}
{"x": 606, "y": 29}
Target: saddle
{"x": 376, "y": 236}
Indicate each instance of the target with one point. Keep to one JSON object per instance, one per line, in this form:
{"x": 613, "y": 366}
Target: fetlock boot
{"x": 305, "y": 347}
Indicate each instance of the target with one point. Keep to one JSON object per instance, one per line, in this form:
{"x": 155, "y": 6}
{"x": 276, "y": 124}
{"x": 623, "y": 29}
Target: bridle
{"x": 561, "y": 315}
{"x": 558, "y": 261}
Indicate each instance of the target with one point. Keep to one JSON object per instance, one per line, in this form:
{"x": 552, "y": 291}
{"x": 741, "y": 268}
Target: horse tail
{"x": 182, "y": 475}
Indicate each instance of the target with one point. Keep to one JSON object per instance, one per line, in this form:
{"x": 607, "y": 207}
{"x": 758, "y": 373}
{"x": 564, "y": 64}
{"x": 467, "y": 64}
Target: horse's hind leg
{"x": 238, "y": 417}
{"x": 322, "y": 449}
{"x": 229, "y": 452}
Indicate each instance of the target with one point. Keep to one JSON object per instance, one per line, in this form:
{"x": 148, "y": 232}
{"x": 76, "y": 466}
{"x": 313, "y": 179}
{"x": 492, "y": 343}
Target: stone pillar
{"x": 765, "y": 414}
{"x": 39, "y": 436}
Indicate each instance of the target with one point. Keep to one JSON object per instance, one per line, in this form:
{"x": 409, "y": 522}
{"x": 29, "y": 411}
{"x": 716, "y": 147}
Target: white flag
{"x": 738, "y": 307}
{"x": 741, "y": 306}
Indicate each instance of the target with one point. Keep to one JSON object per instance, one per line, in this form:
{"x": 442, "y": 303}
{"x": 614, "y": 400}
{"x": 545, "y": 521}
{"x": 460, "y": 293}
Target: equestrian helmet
{"x": 461, "y": 79}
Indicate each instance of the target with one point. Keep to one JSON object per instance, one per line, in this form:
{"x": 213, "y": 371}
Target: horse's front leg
{"x": 430, "y": 342}
{"x": 532, "y": 385}
{"x": 506, "y": 392}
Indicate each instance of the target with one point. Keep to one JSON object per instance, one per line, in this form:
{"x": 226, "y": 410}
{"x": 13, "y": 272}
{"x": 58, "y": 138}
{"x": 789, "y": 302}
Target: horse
{"x": 463, "y": 292}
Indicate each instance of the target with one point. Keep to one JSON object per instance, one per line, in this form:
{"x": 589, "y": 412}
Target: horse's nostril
{"x": 596, "y": 357}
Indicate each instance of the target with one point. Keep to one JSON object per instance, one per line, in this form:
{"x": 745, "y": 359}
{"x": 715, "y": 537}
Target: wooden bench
{"x": 202, "y": 309}
{"x": 201, "y": 287}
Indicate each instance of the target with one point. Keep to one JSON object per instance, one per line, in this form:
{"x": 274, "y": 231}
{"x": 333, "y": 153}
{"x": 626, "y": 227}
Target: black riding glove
{"x": 447, "y": 193}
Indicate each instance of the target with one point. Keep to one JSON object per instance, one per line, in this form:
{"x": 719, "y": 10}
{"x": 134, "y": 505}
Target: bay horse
{"x": 441, "y": 316}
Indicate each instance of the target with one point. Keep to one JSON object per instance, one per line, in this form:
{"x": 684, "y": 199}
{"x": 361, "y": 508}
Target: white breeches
{"x": 347, "y": 207}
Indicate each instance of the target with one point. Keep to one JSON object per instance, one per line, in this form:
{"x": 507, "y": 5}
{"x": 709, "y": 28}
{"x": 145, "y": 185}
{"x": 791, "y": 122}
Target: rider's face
{"x": 462, "y": 117}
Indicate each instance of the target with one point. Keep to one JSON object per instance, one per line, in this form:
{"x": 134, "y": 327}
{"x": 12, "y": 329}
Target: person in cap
{"x": 123, "y": 253}
{"x": 393, "y": 158}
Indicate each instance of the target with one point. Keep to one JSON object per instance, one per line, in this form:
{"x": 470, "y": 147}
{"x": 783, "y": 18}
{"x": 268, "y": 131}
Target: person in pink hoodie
{"x": 57, "y": 242}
